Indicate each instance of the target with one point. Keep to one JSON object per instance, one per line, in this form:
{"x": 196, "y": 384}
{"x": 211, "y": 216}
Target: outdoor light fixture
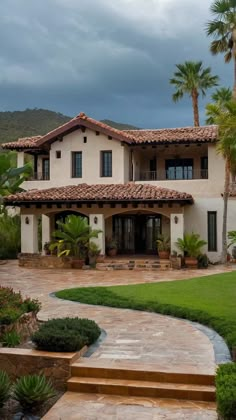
{"x": 176, "y": 219}
{"x": 95, "y": 220}
{"x": 27, "y": 220}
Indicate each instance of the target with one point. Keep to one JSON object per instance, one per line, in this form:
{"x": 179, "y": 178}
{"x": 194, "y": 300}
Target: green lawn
{"x": 210, "y": 300}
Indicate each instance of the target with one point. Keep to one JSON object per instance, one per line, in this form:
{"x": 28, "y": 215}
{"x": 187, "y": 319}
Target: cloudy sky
{"x": 109, "y": 58}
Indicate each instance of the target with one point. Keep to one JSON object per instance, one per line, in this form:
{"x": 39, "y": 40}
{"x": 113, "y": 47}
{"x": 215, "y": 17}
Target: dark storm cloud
{"x": 110, "y": 60}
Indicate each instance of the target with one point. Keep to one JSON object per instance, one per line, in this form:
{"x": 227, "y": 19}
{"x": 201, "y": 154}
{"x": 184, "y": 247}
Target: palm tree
{"x": 223, "y": 29}
{"x": 191, "y": 78}
{"x": 220, "y": 97}
{"x": 226, "y": 146}
{"x": 11, "y": 178}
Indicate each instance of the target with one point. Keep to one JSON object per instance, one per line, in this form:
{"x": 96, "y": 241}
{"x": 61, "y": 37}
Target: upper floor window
{"x": 106, "y": 163}
{"x": 76, "y": 164}
{"x": 179, "y": 169}
{"x": 45, "y": 169}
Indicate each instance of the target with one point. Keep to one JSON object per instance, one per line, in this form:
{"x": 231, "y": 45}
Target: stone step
{"x": 131, "y": 264}
{"x": 120, "y": 371}
{"x": 141, "y": 388}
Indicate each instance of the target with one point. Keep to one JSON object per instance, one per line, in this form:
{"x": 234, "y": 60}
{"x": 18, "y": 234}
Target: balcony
{"x": 40, "y": 176}
{"x": 168, "y": 175}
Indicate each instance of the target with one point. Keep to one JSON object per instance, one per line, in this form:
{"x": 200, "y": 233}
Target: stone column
{"x": 96, "y": 221}
{"x": 176, "y": 229}
{"x": 20, "y": 159}
{"x": 29, "y": 233}
{"x": 46, "y": 230}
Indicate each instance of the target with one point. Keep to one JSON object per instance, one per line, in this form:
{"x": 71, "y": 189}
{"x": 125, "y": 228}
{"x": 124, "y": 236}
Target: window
{"x": 85, "y": 139}
{"x": 212, "y": 230}
{"x": 76, "y": 164}
{"x": 106, "y": 163}
{"x": 179, "y": 169}
{"x": 58, "y": 154}
{"x": 204, "y": 167}
{"x": 45, "y": 169}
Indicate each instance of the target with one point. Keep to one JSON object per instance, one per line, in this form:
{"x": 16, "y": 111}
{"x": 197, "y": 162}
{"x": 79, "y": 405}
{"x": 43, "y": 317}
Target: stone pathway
{"x": 132, "y": 336}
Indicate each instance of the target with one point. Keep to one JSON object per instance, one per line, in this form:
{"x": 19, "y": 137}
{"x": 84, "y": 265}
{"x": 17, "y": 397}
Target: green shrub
{"x": 32, "y": 305}
{"x": 12, "y": 305}
{"x": 5, "y": 387}
{"x": 66, "y": 334}
{"x": 9, "y": 236}
{"x": 226, "y": 391}
{"x": 33, "y": 390}
{"x": 9, "y": 315}
{"x": 11, "y": 339}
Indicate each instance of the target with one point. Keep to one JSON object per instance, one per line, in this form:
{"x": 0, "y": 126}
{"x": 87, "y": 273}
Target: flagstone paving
{"x": 133, "y": 337}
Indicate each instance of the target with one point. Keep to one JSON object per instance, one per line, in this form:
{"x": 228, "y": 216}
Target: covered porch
{"x": 134, "y": 215}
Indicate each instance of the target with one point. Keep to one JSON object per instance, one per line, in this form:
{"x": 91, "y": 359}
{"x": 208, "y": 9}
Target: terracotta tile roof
{"x": 100, "y": 192}
{"x": 205, "y": 134}
{"x": 22, "y": 143}
{"x": 87, "y": 122}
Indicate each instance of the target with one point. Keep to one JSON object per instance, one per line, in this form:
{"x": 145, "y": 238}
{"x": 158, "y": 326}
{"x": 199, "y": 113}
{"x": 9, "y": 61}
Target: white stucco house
{"x": 131, "y": 184}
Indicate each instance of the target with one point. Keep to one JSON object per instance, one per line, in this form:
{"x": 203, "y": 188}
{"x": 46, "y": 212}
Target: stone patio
{"x": 133, "y": 337}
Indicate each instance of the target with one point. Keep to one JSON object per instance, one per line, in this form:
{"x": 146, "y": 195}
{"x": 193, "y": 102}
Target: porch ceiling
{"x": 100, "y": 194}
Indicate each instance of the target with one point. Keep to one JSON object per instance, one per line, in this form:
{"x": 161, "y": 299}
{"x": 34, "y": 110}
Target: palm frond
{"x": 220, "y": 7}
{"x": 228, "y": 56}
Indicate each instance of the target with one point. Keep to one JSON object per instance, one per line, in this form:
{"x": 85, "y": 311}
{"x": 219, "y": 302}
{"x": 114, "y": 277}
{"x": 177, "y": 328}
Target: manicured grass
{"x": 210, "y": 300}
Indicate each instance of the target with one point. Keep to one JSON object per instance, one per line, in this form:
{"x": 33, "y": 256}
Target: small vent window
{"x": 85, "y": 139}
{"x": 58, "y": 154}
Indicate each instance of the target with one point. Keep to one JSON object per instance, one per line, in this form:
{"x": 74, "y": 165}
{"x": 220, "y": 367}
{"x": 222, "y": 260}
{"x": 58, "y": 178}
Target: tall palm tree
{"x": 219, "y": 99}
{"x": 191, "y": 78}
{"x": 223, "y": 29}
{"x": 226, "y": 146}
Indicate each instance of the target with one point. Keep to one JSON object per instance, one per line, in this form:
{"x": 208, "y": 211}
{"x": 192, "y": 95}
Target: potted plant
{"x": 72, "y": 239}
{"x": 191, "y": 246}
{"x": 46, "y": 248}
{"x": 93, "y": 253}
{"x": 111, "y": 247}
{"x": 163, "y": 247}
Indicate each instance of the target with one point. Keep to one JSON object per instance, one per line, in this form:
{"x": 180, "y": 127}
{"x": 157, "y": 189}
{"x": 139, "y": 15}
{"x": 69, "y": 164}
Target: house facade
{"x": 133, "y": 185}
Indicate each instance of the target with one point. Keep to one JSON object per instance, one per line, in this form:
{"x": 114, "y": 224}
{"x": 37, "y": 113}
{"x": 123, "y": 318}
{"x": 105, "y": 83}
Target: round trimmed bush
{"x": 66, "y": 334}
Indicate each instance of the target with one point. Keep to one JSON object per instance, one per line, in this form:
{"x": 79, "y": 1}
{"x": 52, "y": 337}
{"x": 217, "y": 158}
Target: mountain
{"x": 32, "y": 122}
{"x": 120, "y": 126}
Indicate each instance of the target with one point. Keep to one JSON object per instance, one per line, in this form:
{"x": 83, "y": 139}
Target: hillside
{"x": 31, "y": 122}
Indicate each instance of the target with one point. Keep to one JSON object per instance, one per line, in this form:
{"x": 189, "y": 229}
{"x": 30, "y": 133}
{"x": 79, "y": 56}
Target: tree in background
{"x": 192, "y": 79}
{"x": 220, "y": 98}
{"x": 226, "y": 146}
{"x": 223, "y": 29}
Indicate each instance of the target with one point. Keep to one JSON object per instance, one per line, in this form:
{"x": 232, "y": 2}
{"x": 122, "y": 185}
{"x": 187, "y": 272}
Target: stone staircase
{"x": 144, "y": 264}
{"x": 136, "y": 382}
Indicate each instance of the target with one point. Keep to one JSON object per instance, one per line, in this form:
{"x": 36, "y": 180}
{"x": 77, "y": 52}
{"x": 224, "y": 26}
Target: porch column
{"x": 29, "y": 233}
{"x": 20, "y": 159}
{"x": 46, "y": 237}
{"x": 96, "y": 221}
{"x": 176, "y": 230}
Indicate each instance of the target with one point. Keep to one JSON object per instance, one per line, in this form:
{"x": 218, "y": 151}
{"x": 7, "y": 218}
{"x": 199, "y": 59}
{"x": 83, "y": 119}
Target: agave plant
{"x": 32, "y": 390}
{"x": 5, "y": 387}
{"x": 191, "y": 244}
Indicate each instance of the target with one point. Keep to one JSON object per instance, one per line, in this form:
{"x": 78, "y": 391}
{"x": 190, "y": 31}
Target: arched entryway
{"x": 137, "y": 233}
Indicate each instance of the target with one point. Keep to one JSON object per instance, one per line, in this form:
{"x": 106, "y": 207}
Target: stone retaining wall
{"x": 43, "y": 261}
{"x": 56, "y": 366}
